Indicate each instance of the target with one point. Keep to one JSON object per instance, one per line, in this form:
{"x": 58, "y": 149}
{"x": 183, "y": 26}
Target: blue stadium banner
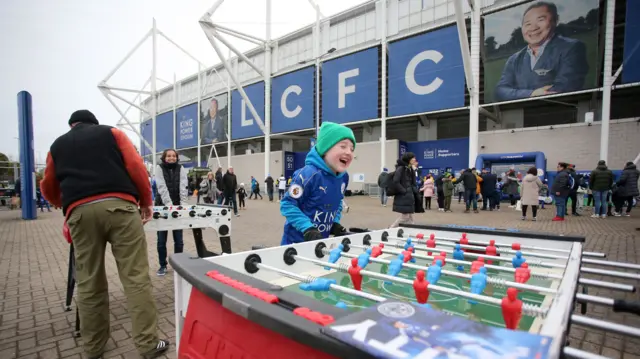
{"x": 350, "y": 87}
{"x": 292, "y": 101}
{"x": 27, "y": 160}
{"x": 164, "y": 131}
{"x": 243, "y": 125}
{"x": 146, "y": 130}
{"x": 631, "y": 62}
{"x": 438, "y": 154}
{"x": 187, "y": 126}
{"x": 426, "y": 73}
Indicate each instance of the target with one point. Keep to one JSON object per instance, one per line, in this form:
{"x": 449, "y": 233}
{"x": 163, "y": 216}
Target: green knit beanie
{"x": 332, "y": 133}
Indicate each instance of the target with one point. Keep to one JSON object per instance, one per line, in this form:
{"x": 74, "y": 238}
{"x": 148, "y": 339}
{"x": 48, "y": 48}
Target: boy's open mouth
{"x": 344, "y": 162}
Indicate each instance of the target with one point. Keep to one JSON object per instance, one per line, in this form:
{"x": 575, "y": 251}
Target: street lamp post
{"x": 317, "y": 63}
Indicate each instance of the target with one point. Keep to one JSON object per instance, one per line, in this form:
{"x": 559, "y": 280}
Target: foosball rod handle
{"x": 610, "y": 273}
{"x": 606, "y": 326}
{"x": 580, "y": 354}
{"x": 623, "y": 306}
{"x": 611, "y": 263}
{"x": 608, "y": 285}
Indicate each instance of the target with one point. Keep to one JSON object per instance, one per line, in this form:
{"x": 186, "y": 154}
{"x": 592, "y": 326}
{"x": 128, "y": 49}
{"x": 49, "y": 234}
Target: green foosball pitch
{"x": 485, "y": 313}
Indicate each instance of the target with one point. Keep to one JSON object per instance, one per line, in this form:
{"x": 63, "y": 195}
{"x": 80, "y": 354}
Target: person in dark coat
{"x": 404, "y": 202}
{"x": 600, "y": 182}
{"x": 573, "y": 191}
{"x": 627, "y": 189}
{"x": 269, "y": 181}
{"x": 560, "y": 189}
{"x": 470, "y": 182}
{"x": 219, "y": 184}
{"x": 439, "y": 192}
{"x": 488, "y": 189}
{"x": 230, "y": 186}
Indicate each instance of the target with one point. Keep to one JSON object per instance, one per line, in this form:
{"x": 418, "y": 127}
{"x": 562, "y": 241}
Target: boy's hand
{"x": 338, "y": 230}
{"x": 312, "y": 234}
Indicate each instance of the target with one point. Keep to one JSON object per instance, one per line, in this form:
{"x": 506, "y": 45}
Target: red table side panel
{"x": 214, "y": 332}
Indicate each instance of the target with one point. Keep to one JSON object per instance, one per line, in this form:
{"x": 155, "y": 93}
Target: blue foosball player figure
{"x": 363, "y": 259}
{"x": 318, "y": 285}
{"x": 459, "y": 255}
{"x": 478, "y": 283}
{"x": 395, "y": 266}
{"x": 408, "y": 244}
{"x": 341, "y": 305}
{"x": 434, "y": 272}
{"x": 518, "y": 260}
{"x": 335, "y": 254}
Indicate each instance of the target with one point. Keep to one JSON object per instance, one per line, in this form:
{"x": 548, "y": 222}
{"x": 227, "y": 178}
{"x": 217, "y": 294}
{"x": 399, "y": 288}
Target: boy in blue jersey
{"x": 312, "y": 205}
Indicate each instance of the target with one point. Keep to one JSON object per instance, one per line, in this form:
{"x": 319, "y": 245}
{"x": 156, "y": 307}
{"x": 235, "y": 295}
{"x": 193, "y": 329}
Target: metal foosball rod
{"x": 607, "y": 326}
{"x": 492, "y": 280}
{"x": 537, "y": 274}
{"x": 534, "y": 273}
{"x": 309, "y": 279}
{"x": 521, "y": 246}
{"x": 618, "y": 305}
{"x": 581, "y": 354}
{"x": 476, "y": 255}
{"x": 525, "y": 253}
{"x": 610, "y": 273}
{"x": 527, "y": 309}
{"x": 481, "y": 248}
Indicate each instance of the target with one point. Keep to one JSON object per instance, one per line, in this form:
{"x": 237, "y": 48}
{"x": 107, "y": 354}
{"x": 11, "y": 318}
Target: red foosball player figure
{"x": 523, "y": 273}
{"x": 354, "y": 272}
{"x": 476, "y": 265}
{"x": 511, "y": 309}
{"x": 441, "y": 257}
{"x": 407, "y": 254}
{"x": 377, "y": 250}
{"x": 491, "y": 250}
{"x": 431, "y": 242}
{"x": 421, "y": 287}
{"x": 420, "y": 236}
{"x": 464, "y": 240}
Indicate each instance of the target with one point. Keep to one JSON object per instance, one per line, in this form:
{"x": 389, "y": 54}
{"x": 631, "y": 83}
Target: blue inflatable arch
{"x": 485, "y": 160}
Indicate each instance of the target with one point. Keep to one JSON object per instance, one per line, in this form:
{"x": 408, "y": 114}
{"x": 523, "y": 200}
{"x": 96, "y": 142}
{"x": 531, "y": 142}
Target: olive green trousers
{"x": 118, "y": 223}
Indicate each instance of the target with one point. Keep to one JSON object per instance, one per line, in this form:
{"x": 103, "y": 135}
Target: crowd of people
{"x": 528, "y": 191}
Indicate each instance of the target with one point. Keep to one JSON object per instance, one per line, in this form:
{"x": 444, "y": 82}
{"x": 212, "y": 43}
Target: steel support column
{"x": 154, "y": 94}
{"x": 607, "y": 79}
{"x": 267, "y": 93}
{"x": 383, "y": 105}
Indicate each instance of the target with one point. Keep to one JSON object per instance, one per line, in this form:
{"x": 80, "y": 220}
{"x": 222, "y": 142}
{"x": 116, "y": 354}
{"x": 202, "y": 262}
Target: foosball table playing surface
{"x": 423, "y": 291}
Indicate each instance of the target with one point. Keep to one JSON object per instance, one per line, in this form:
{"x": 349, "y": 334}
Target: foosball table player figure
{"x": 419, "y": 291}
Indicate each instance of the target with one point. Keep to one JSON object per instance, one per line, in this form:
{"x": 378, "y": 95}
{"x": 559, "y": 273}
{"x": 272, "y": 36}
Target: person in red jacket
{"x": 98, "y": 178}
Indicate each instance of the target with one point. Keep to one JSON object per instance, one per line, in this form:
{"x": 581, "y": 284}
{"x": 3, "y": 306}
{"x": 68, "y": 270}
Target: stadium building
{"x": 485, "y": 82}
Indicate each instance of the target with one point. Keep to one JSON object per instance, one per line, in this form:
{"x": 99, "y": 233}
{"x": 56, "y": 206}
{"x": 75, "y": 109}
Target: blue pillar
{"x": 27, "y": 160}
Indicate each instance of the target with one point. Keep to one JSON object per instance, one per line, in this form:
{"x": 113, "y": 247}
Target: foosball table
{"x": 409, "y": 292}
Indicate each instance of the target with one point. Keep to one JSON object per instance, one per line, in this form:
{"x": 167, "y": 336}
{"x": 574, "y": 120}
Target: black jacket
{"x": 469, "y": 180}
{"x": 229, "y": 184}
{"x": 218, "y": 176}
{"x": 561, "y": 184}
{"x": 601, "y": 179}
{"x": 488, "y": 185}
{"x": 576, "y": 180}
{"x": 405, "y": 186}
{"x": 269, "y": 182}
{"x": 628, "y": 182}
{"x": 438, "y": 183}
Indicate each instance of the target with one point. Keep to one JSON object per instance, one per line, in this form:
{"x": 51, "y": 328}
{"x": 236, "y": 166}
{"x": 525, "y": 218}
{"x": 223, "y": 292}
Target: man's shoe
{"x": 162, "y": 271}
{"x": 161, "y": 348}
{"x": 558, "y": 219}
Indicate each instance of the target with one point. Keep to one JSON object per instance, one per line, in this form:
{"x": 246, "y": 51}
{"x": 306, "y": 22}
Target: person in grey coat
{"x": 406, "y": 189}
{"x": 627, "y": 189}
{"x": 209, "y": 189}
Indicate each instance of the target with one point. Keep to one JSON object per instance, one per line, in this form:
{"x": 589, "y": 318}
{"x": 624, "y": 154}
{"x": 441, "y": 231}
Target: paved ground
{"x": 34, "y": 257}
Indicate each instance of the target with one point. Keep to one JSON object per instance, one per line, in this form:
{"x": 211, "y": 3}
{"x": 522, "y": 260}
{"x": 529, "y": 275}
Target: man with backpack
{"x": 382, "y": 181}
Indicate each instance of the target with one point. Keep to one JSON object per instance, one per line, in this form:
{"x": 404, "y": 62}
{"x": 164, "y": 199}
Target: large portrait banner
{"x": 540, "y": 48}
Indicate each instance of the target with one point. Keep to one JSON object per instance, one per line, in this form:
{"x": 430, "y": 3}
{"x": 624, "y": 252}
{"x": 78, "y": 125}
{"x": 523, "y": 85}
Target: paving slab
{"x": 34, "y": 265}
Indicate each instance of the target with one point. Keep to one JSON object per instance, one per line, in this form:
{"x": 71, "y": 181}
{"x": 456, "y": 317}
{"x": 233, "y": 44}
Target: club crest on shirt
{"x": 295, "y": 191}
{"x": 542, "y": 72}
{"x": 343, "y": 187}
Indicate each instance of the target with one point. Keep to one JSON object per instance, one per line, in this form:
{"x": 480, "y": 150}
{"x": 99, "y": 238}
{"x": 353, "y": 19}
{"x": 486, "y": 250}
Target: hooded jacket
{"x": 561, "y": 184}
{"x": 314, "y": 199}
{"x": 628, "y": 182}
{"x": 404, "y": 181}
{"x": 530, "y": 190}
{"x": 601, "y": 179}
